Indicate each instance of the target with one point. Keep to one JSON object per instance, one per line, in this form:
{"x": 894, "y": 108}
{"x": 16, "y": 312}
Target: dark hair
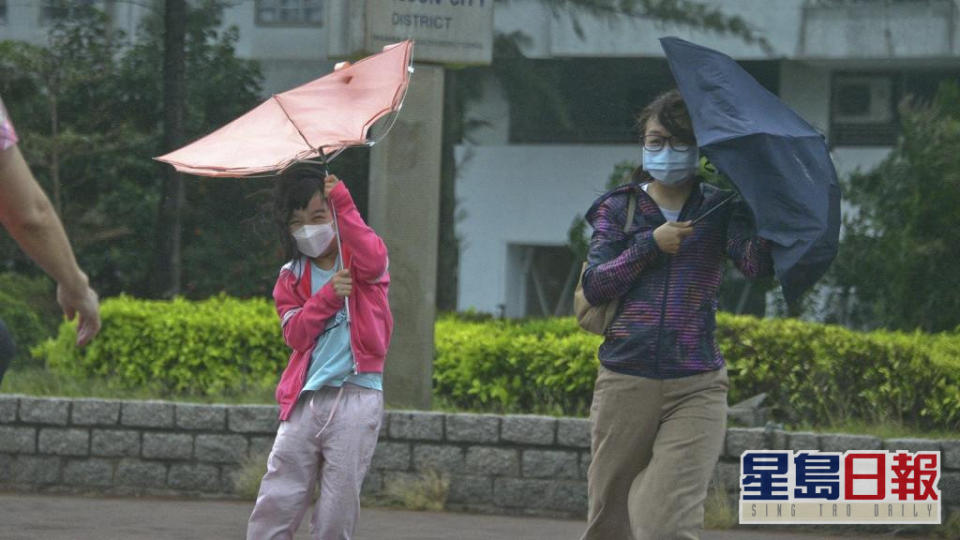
{"x": 293, "y": 191}
{"x": 670, "y": 110}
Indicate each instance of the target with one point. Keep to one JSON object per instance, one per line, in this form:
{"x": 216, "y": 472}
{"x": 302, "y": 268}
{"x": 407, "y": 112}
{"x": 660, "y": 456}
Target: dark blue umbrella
{"x": 778, "y": 162}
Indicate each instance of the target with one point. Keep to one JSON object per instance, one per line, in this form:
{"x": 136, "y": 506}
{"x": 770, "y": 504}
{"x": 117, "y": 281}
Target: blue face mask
{"x": 670, "y": 166}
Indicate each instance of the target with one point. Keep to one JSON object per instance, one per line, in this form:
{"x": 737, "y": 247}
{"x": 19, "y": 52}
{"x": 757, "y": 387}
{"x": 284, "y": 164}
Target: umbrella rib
{"x": 742, "y": 135}
{"x": 295, "y": 126}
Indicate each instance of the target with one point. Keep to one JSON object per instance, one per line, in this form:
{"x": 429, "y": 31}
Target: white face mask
{"x": 669, "y": 166}
{"x": 313, "y": 240}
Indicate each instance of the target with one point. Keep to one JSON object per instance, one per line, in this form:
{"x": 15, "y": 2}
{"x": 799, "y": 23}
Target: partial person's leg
{"x": 667, "y": 501}
{"x": 348, "y": 443}
{"x": 286, "y": 489}
{"x": 624, "y": 417}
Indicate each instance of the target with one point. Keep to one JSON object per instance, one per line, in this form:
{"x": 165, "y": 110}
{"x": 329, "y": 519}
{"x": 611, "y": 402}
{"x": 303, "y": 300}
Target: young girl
{"x": 332, "y": 303}
{"x": 660, "y": 400}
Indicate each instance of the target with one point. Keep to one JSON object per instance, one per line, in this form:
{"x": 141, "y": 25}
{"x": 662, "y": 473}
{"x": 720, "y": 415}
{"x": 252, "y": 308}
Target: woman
{"x": 659, "y": 406}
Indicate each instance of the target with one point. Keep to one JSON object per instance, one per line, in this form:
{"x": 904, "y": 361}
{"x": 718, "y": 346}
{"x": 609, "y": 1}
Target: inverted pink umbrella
{"x": 312, "y": 123}
{"x": 317, "y": 120}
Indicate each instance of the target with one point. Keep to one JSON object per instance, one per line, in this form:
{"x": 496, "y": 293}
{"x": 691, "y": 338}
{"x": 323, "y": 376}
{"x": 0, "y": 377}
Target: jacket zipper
{"x": 353, "y": 353}
{"x": 666, "y": 286}
{"x": 349, "y": 323}
{"x": 663, "y": 316}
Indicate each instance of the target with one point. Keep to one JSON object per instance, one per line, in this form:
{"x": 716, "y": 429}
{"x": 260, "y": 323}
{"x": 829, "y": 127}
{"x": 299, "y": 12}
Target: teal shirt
{"x": 331, "y": 363}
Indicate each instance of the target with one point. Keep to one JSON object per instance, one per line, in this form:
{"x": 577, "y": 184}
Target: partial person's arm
{"x": 616, "y": 259}
{"x": 749, "y": 253}
{"x": 26, "y": 213}
{"x": 302, "y": 324}
{"x": 369, "y": 260}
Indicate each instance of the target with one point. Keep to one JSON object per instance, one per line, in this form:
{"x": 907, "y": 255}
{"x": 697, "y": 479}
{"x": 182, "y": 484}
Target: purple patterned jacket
{"x": 664, "y": 328}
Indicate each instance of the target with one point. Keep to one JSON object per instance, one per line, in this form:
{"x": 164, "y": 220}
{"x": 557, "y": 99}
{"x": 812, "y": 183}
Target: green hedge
{"x": 813, "y": 373}
{"x": 208, "y": 347}
{"x": 28, "y": 306}
{"x": 539, "y": 365}
{"x": 820, "y": 374}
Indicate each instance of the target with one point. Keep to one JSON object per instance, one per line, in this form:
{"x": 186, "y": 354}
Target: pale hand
{"x": 329, "y": 183}
{"x": 670, "y": 235}
{"x": 85, "y": 305}
{"x": 342, "y": 283}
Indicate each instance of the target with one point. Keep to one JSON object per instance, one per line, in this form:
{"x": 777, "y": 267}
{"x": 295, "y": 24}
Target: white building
{"x": 842, "y": 64}
{"x": 288, "y": 37}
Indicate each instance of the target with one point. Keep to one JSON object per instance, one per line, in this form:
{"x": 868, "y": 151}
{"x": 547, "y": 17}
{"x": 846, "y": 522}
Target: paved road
{"x": 59, "y": 517}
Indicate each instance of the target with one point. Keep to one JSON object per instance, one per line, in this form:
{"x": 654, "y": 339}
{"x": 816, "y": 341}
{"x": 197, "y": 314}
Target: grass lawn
{"x": 40, "y": 382}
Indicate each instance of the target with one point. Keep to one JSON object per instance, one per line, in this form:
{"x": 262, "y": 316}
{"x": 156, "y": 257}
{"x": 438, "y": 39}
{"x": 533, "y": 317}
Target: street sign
{"x": 445, "y": 31}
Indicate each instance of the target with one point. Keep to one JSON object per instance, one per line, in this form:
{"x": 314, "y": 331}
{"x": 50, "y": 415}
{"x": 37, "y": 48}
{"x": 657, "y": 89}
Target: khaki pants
{"x": 655, "y": 445}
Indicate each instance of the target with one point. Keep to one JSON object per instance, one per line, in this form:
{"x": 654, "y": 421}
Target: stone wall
{"x": 148, "y": 447}
{"x": 501, "y": 464}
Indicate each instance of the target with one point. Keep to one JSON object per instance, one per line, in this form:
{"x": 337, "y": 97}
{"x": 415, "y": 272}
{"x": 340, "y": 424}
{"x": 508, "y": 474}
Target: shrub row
{"x": 539, "y": 365}
{"x": 183, "y": 347}
{"x": 817, "y": 373}
{"x": 28, "y": 307}
{"x": 813, "y": 373}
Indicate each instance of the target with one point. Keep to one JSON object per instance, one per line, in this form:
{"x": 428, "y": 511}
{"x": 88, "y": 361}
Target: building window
{"x": 542, "y": 282}
{"x": 52, "y": 11}
{"x": 592, "y": 100}
{"x": 290, "y": 12}
{"x": 3, "y": 11}
{"x": 863, "y": 110}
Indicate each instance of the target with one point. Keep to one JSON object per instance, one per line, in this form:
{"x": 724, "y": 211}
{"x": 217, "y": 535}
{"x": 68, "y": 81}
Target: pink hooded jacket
{"x": 304, "y": 316}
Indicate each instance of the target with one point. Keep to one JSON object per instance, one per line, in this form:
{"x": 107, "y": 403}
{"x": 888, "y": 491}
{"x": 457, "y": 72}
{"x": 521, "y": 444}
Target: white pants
{"x": 330, "y": 437}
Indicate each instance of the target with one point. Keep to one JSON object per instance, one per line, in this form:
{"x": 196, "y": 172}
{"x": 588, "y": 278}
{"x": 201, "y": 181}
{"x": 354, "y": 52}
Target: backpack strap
{"x": 631, "y": 210}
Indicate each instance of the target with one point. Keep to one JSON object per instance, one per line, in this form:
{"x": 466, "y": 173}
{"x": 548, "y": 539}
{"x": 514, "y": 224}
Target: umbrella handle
{"x": 710, "y": 211}
{"x": 325, "y": 171}
{"x": 346, "y": 302}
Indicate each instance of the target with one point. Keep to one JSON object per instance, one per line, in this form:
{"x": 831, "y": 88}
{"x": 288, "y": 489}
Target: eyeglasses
{"x": 655, "y": 143}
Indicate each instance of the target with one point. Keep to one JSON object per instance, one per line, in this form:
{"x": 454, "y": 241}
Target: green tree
{"x": 109, "y": 112}
{"x": 224, "y": 232}
{"x": 897, "y": 258}
{"x": 64, "y": 99}
{"x": 168, "y": 232}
